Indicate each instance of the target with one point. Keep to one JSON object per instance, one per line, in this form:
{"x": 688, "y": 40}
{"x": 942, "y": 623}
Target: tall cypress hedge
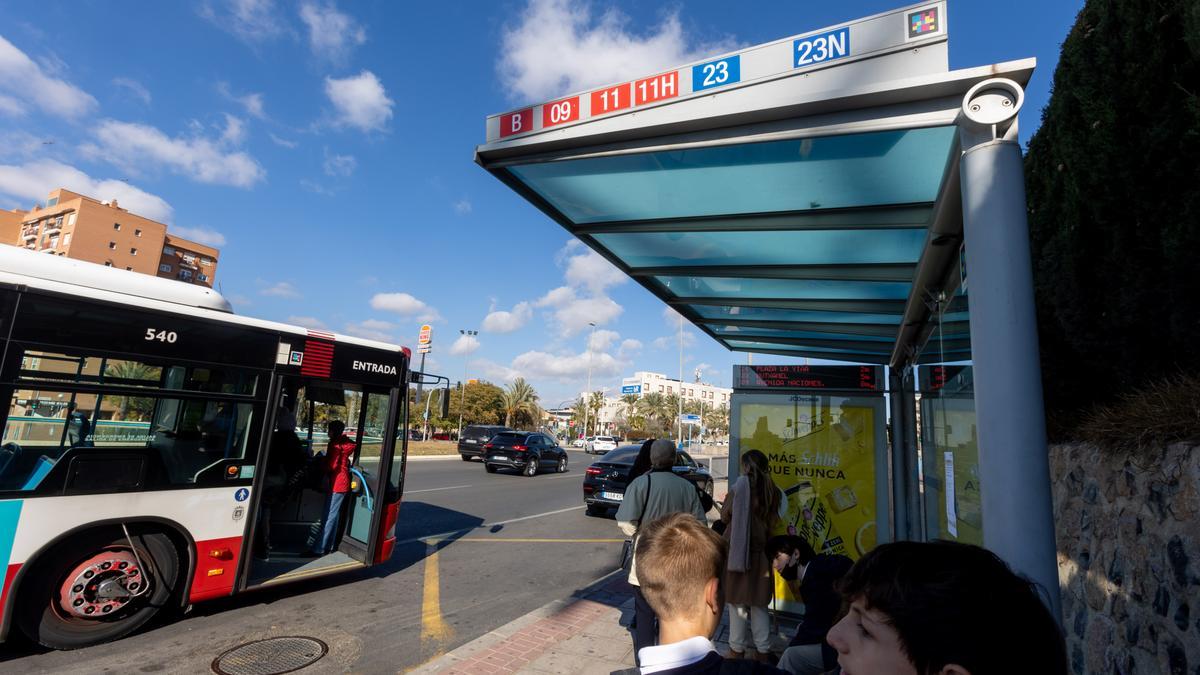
{"x": 1113, "y": 180}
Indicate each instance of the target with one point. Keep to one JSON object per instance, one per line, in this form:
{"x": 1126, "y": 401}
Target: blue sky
{"x": 326, "y": 147}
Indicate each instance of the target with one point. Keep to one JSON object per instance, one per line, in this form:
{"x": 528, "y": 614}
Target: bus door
{"x": 296, "y": 477}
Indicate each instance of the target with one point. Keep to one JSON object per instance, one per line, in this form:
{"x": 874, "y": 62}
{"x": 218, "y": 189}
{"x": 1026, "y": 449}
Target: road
{"x": 502, "y": 545}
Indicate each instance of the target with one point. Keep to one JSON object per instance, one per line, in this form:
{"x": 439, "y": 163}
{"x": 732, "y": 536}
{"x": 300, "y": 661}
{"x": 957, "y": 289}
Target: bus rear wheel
{"x": 92, "y": 588}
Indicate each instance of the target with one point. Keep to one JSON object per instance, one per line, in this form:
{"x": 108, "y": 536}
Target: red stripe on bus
{"x": 8, "y": 579}
{"x": 216, "y": 568}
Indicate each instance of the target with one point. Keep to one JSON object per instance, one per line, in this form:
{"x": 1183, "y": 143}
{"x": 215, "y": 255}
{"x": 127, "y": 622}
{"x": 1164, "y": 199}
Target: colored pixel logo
{"x": 924, "y": 22}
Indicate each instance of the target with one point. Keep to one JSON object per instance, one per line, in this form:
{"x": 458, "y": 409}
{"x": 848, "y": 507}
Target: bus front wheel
{"x": 94, "y": 588}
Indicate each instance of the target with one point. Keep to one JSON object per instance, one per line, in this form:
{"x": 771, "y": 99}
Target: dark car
{"x": 605, "y": 480}
{"x": 474, "y": 437}
{"x": 527, "y": 452}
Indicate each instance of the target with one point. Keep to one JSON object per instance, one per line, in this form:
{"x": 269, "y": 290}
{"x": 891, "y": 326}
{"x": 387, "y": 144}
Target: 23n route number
{"x": 820, "y": 48}
{"x": 167, "y": 336}
{"x": 716, "y": 73}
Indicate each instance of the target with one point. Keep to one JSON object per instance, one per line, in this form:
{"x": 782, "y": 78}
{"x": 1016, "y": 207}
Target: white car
{"x": 601, "y": 444}
{"x": 580, "y": 442}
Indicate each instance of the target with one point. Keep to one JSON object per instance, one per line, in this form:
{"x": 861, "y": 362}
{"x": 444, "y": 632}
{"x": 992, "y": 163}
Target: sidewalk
{"x": 585, "y": 634}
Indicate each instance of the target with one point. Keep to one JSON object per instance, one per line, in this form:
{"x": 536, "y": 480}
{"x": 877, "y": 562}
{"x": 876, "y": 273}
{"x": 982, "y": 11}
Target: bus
{"x": 160, "y": 451}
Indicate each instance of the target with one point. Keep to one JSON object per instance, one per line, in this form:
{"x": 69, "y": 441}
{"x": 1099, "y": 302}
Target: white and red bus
{"x": 158, "y": 450}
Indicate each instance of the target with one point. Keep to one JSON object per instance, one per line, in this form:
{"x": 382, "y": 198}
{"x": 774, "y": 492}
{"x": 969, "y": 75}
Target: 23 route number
{"x": 716, "y": 73}
{"x": 167, "y": 336}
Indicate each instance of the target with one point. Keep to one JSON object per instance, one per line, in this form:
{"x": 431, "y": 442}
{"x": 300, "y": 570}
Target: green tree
{"x": 595, "y": 405}
{"x": 520, "y": 402}
{"x": 1113, "y": 181}
{"x": 131, "y": 372}
{"x": 484, "y": 404}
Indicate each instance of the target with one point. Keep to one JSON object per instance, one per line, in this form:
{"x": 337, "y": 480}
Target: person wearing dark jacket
{"x": 681, "y": 563}
{"x": 813, "y": 578}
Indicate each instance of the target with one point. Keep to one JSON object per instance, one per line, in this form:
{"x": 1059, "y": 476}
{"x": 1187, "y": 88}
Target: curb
{"x": 432, "y": 458}
{"x": 523, "y": 640}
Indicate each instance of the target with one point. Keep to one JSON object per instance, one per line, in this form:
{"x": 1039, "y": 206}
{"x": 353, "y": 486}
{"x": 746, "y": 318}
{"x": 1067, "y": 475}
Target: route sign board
{"x": 859, "y": 378}
{"x": 902, "y": 30}
{"x": 631, "y": 389}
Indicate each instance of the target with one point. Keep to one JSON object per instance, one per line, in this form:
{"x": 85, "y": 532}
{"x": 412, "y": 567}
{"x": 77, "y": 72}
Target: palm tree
{"x": 595, "y": 404}
{"x": 654, "y": 408}
{"x": 519, "y": 398}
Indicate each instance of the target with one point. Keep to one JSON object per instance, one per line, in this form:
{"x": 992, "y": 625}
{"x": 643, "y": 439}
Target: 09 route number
{"x": 716, "y": 73}
{"x": 560, "y": 112}
{"x": 168, "y": 336}
{"x": 820, "y": 48}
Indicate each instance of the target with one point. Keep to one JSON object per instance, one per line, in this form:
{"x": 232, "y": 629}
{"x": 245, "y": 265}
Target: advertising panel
{"x": 828, "y": 455}
{"x": 953, "y": 501}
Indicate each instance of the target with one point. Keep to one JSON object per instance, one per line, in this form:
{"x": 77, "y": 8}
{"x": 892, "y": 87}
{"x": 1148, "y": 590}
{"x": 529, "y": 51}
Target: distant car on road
{"x": 604, "y": 482}
{"x": 581, "y": 442}
{"x": 474, "y": 437}
{"x": 527, "y": 452}
{"x": 601, "y": 444}
{"x": 441, "y": 436}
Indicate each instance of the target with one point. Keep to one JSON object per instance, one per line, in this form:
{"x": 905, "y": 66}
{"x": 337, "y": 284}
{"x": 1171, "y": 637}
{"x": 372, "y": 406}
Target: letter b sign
{"x": 516, "y": 122}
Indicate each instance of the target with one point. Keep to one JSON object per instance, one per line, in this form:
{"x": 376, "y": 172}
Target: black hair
{"x": 786, "y": 543}
{"x": 641, "y": 463}
{"x": 954, "y": 603}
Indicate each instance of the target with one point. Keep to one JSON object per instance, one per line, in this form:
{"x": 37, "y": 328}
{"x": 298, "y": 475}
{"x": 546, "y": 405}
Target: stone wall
{"x": 1129, "y": 559}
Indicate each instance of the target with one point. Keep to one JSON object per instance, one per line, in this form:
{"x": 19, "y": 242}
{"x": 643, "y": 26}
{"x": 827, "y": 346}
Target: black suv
{"x": 605, "y": 480}
{"x": 474, "y": 437}
{"x": 525, "y": 451}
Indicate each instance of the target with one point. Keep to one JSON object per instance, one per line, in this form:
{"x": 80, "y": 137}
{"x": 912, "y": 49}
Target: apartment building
{"x": 76, "y": 226}
{"x": 643, "y": 382}
{"x": 10, "y": 224}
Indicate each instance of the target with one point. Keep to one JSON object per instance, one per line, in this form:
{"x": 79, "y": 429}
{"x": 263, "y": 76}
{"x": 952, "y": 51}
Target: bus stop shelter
{"x": 830, "y": 195}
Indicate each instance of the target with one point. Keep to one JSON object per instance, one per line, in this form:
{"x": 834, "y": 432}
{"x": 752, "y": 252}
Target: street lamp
{"x": 462, "y": 401}
{"x": 587, "y": 402}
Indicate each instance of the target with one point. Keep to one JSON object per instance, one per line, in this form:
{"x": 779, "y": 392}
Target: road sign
{"x": 631, "y": 389}
{"x": 690, "y": 419}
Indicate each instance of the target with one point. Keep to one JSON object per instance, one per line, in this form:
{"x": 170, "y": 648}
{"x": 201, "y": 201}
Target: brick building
{"x": 75, "y": 226}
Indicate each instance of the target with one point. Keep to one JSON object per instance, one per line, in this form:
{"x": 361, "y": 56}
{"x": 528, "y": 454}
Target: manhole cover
{"x": 270, "y": 657}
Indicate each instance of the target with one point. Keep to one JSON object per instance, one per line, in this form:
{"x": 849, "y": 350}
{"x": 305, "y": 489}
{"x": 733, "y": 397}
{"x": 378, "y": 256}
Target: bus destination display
{"x": 860, "y": 378}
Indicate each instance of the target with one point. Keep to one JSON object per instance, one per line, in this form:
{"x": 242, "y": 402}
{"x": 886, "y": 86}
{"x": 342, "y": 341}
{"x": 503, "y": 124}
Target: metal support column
{"x": 1018, "y": 515}
{"x": 906, "y": 498}
{"x": 912, "y": 472}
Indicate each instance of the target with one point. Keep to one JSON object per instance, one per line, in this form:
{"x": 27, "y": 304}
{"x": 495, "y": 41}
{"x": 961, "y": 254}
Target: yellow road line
{"x": 541, "y": 541}
{"x": 434, "y": 629}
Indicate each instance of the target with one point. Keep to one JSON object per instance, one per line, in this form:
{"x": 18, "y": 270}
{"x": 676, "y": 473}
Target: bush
{"x": 1149, "y": 419}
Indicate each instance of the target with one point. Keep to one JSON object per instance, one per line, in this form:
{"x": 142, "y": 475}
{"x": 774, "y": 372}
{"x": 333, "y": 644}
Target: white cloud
{"x": 339, "y": 165}
{"x": 235, "y": 130}
{"x": 556, "y": 297}
{"x": 283, "y": 142}
{"x": 371, "y": 329}
{"x": 493, "y": 371}
{"x": 574, "y": 316}
{"x": 672, "y": 341}
{"x": 560, "y": 46}
{"x": 200, "y": 233}
{"x": 135, "y": 88}
{"x": 11, "y": 107}
{"x": 464, "y": 345}
{"x": 253, "y": 103}
{"x": 307, "y": 322}
{"x": 462, "y": 207}
{"x": 565, "y": 368}
{"x": 405, "y": 305}
{"x": 507, "y": 322}
{"x": 134, "y": 146}
{"x": 27, "y": 81}
{"x": 601, "y": 340}
{"x": 590, "y": 270}
{"x": 281, "y": 289}
{"x": 250, "y": 20}
{"x": 20, "y": 144}
{"x": 360, "y": 100}
{"x": 316, "y": 188}
{"x": 629, "y": 348}
{"x": 34, "y": 180}
{"x": 331, "y": 34}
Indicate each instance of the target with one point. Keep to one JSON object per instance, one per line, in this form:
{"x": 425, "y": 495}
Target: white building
{"x": 643, "y": 382}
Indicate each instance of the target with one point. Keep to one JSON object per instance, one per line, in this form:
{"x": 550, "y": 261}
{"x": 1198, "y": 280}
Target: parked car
{"x": 442, "y": 436}
{"x": 581, "y": 442}
{"x": 604, "y": 482}
{"x": 601, "y": 444}
{"x": 474, "y": 437}
{"x": 527, "y": 452}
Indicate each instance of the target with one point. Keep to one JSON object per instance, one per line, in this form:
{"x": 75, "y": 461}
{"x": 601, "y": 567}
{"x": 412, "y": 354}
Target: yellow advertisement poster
{"x": 822, "y": 456}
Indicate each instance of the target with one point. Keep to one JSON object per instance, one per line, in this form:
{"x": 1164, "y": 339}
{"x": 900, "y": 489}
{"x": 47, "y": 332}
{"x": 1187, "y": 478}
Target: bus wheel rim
{"x": 102, "y": 585}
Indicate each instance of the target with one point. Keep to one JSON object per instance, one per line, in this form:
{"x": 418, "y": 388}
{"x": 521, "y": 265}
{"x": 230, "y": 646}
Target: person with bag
{"x": 752, "y": 509}
{"x": 648, "y": 497}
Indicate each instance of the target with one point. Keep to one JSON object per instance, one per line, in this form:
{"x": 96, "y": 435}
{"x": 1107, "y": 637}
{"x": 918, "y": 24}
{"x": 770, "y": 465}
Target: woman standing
{"x": 751, "y": 511}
